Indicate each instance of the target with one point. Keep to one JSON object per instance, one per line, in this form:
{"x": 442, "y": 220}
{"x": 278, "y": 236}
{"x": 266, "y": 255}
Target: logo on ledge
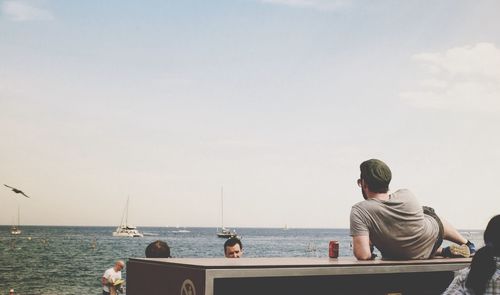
{"x": 188, "y": 288}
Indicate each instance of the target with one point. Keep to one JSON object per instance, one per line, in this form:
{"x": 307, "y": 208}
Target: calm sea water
{"x": 71, "y": 260}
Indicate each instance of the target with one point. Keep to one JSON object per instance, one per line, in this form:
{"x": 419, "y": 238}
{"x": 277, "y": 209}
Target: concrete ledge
{"x": 290, "y": 276}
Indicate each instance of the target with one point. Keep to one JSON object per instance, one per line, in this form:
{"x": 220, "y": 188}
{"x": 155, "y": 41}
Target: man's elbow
{"x": 363, "y": 256}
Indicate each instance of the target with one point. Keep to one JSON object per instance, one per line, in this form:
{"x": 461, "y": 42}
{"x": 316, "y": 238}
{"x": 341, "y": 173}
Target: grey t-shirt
{"x": 398, "y": 227}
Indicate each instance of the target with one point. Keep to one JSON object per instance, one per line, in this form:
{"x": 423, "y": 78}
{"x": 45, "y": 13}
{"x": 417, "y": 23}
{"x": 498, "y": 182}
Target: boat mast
{"x": 126, "y": 216}
{"x": 222, "y": 205}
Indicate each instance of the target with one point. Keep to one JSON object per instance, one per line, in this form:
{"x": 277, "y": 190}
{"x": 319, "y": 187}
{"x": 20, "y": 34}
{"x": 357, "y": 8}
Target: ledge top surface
{"x": 286, "y": 262}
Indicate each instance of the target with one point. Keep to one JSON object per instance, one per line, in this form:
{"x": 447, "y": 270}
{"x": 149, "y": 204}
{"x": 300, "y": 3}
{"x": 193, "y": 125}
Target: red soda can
{"x": 333, "y": 249}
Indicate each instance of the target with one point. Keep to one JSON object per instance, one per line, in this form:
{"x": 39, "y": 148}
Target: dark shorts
{"x": 105, "y": 293}
{"x": 430, "y": 211}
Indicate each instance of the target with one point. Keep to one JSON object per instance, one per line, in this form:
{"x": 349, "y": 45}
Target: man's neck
{"x": 378, "y": 196}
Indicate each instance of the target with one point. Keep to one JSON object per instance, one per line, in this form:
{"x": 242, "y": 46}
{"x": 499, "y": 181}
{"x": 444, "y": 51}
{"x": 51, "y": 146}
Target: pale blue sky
{"x": 277, "y": 100}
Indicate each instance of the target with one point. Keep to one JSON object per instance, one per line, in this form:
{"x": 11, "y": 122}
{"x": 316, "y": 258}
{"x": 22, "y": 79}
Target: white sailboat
{"x": 224, "y": 232}
{"x": 126, "y": 230}
{"x": 181, "y": 231}
{"x": 16, "y": 230}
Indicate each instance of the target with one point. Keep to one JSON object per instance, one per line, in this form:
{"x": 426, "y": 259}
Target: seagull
{"x": 17, "y": 191}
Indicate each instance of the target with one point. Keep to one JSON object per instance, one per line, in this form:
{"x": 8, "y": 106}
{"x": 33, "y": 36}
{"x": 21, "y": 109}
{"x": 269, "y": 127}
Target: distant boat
{"x": 16, "y": 230}
{"x": 150, "y": 234}
{"x": 181, "y": 231}
{"x": 224, "y": 232}
{"x": 126, "y": 230}
{"x": 286, "y": 227}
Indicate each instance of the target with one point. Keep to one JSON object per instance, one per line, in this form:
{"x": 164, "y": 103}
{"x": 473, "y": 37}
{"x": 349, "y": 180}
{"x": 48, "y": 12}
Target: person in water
{"x": 483, "y": 275}
{"x": 158, "y": 249}
{"x": 396, "y": 223}
{"x": 111, "y": 276}
{"x": 233, "y": 248}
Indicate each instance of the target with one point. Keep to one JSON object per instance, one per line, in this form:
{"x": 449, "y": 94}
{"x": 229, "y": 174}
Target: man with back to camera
{"x": 396, "y": 223}
{"x": 233, "y": 248}
{"x": 111, "y": 276}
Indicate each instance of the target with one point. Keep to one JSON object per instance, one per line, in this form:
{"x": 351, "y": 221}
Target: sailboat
{"x": 16, "y": 230}
{"x": 224, "y": 232}
{"x": 126, "y": 230}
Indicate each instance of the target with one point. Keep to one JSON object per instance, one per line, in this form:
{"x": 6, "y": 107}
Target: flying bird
{"x": 17, "y": 191}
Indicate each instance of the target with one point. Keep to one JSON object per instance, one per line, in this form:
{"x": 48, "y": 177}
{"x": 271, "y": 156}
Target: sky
{"x": 277, "y": 101}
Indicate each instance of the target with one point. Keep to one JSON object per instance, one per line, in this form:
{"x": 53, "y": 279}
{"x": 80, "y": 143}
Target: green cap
{"x": 377, "y": 175}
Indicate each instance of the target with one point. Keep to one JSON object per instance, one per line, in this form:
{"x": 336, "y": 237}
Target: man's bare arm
{"x": 361, "y": 247}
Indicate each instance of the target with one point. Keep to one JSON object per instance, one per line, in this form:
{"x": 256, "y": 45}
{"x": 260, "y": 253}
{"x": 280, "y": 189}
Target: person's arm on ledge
{"x": 361, "y": 247}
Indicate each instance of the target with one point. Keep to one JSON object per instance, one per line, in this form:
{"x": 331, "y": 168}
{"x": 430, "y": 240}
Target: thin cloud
{"x": 24, "y": 11}
{"x": 459, "y": 79}
{"x": 314, "y": 4}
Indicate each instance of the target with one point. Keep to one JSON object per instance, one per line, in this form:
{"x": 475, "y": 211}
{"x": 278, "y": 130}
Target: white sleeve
{"x": 106, "y": 274}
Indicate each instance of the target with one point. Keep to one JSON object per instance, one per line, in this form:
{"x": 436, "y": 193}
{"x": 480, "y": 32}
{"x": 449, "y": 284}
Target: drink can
{"x": 333, "y": 249}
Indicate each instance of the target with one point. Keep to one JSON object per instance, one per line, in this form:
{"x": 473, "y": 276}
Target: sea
{"x": 71, "y": 260}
